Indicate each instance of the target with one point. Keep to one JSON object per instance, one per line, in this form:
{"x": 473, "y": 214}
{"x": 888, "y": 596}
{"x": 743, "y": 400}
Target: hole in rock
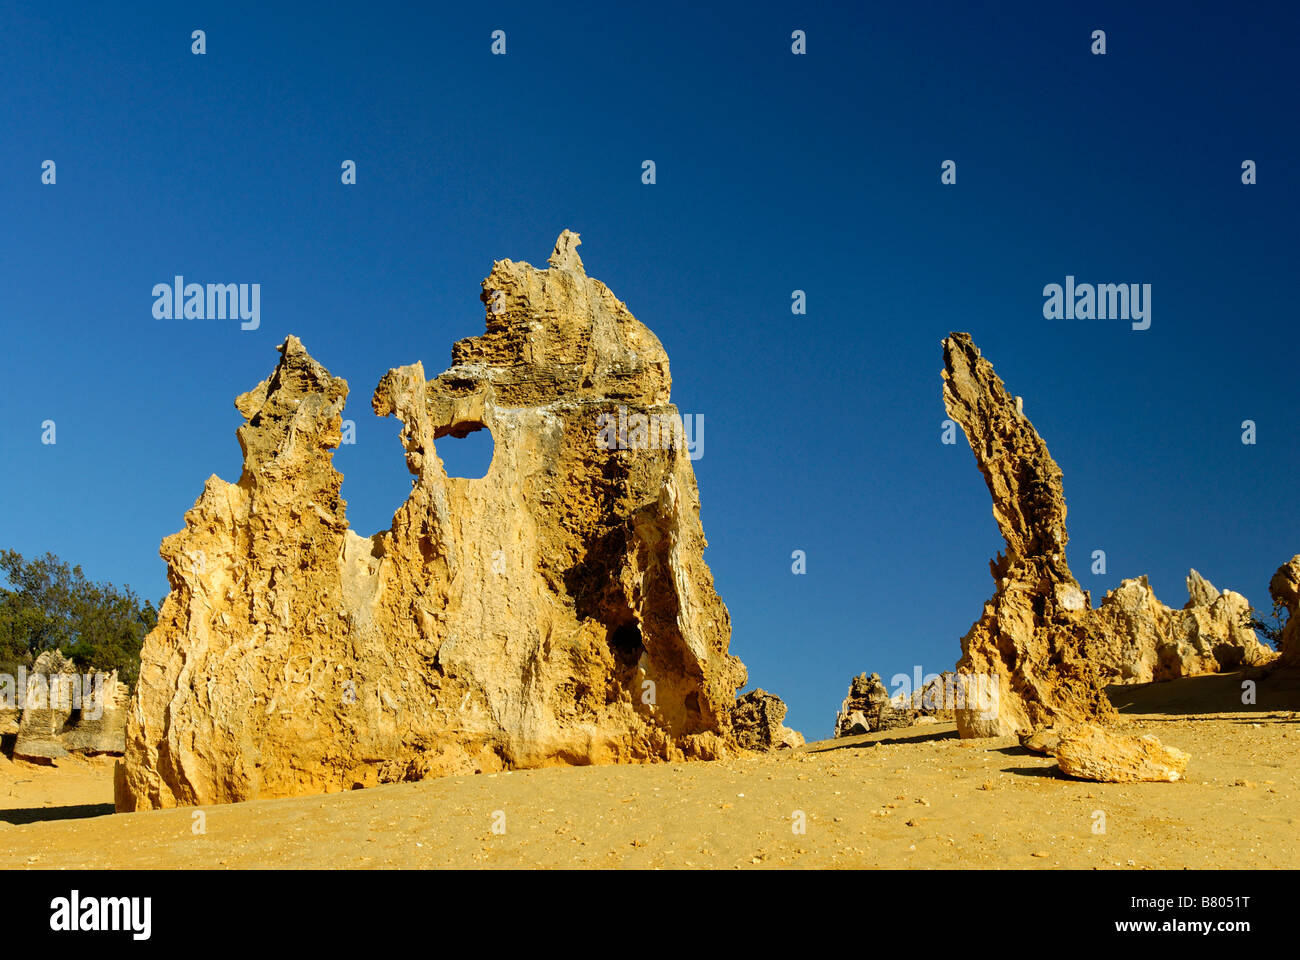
{"x": 466, "y": 450}
{"x": 625, "y": 643}
{"x": 376, "y": 481}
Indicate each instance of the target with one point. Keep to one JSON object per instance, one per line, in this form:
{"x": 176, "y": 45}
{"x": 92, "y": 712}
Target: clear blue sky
{"x": 775, "y": 172}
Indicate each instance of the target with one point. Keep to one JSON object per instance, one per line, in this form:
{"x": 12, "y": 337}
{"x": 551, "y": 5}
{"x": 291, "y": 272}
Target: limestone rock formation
{"x": 1143, "y": 640}
{"x": 47, "y": 706}
{"x": 62, "y": 711}
{"x": 757, "y": 720}
{"x": 868, "y": 709}
{"x": 1089, "y": 752}
{"x": 934, "y": 698}
{"x": 1284, "y": 588}
{"x": 102, "y": 728}
{"x": 1029, "y": 653}
{"x": 556, "y": 611}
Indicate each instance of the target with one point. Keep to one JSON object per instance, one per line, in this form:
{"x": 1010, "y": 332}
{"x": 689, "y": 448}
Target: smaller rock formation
{"x": 47, "y": 705}
{"x": 757, "y": 721}
{"x": 1143, "y": 640}
{"x": 867, "y": 709}
{"x": 62, "y": 711}
{"x": 1030, "y": 648}
{"x": 934, "y": 701}
{"x": 100, "y": 727}
{"x": 1285, "y": 591}
{"x": 1087, "y": 751}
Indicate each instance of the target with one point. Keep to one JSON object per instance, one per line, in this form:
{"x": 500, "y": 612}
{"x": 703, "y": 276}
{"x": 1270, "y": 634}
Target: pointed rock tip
{"x": 565, "y": 255}
{"x": 292, "y": 346}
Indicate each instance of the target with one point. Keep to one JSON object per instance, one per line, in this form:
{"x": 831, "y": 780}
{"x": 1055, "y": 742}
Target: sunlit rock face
{"x": 1031, "y": 652}
{"x": 556, "y": 611}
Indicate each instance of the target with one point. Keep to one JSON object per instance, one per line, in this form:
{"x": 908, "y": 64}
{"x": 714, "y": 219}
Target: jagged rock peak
{"x": 1028, "y": 656}
{"x": 557, "y": 610}
{"x": 565, "y": 255}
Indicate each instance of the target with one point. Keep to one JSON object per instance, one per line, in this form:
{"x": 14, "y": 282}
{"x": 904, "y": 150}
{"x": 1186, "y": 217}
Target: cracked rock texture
{"x": 556, "y": 611}
{"x": 757, "y": 720}
{"x": 1089, "y": 752}
{"x": 1050, "y": 653}
{"x": 867, "y": 708}
{"x": 1032, "y": 647}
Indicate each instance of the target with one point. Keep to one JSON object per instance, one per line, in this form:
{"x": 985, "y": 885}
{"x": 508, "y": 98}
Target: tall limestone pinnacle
{"x": 1033, "y": 648}
{"x": 557, "y": 610}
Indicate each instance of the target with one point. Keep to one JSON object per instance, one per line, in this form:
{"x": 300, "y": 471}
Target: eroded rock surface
{"x": 46, "y": 708}
{"x": 1089, "y": 752}
{"x": 1143, "y": 640}
{"x": 558, "y": 610}
{"x": 758, "y": 722}
{"x": 867, "y": 708}
{"x": 1030, "y": 649}
{"x": 63, "y": 711}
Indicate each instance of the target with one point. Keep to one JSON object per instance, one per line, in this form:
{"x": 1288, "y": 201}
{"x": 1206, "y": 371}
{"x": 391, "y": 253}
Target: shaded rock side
{"x": 1143, "y": 640}
{"x": 1284, "y": 588}
{"x": 757, "y": 721}
{"x": 1089, "y": 752}
{"x": 556, "y": 611}
{"x": 1031, "y": 647}
{"x": 101, "y": 726}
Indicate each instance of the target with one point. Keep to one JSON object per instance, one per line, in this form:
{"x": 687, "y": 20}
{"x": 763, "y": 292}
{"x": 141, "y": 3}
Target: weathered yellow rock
{"x": 1026, "y": 661}
{"x": 1089, "y": 752}
{"x": 557, "y": 610}
{"x": 1142, "y": 640}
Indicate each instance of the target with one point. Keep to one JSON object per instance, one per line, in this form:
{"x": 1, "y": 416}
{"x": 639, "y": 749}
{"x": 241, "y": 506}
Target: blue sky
{"x": 775, "y": 172}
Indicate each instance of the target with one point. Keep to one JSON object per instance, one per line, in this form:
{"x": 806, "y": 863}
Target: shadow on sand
{"x": 39, "y": 814}
{"x": 1211, "y": 694}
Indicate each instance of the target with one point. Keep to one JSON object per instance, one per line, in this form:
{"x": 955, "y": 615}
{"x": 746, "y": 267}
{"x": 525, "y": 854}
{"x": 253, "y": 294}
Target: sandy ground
{"x": 912, "y": 798}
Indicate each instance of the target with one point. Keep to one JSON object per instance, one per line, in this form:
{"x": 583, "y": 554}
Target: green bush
{"x": 48, "y": 605}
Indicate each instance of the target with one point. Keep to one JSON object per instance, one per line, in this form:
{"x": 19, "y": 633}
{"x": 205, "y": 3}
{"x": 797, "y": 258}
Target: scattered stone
{"x": 558, "y": 610}
{"x": 1089, "y": 752}
{"x": 1044, "y": 740}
